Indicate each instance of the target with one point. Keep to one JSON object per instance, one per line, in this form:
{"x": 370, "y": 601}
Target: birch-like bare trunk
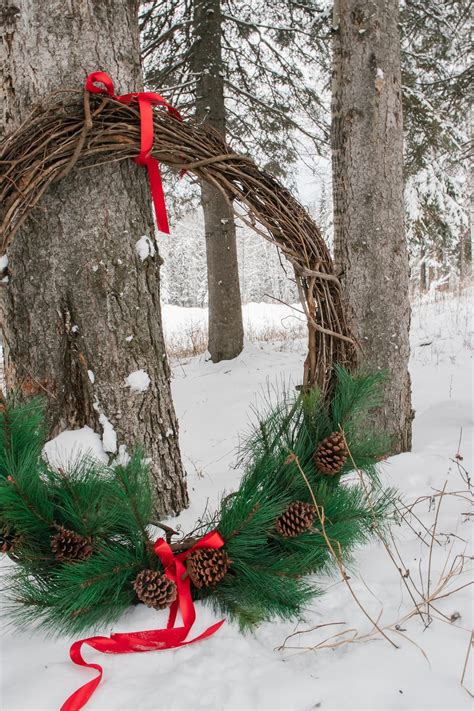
{"x": 369, "y": 231}
{"x": 81, "y": 309}
{"x": 225, "y": 308}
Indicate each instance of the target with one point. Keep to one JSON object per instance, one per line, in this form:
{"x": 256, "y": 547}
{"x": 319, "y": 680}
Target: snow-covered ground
{"x": 231, "y": 671}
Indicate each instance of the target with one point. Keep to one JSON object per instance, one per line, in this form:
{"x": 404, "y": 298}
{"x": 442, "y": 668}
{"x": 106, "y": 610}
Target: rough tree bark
{"x": 468, "y": 240}
{"x": 369, "y": 232}
{"x": 81, "y": 309}
{"x": 225, "y": 309}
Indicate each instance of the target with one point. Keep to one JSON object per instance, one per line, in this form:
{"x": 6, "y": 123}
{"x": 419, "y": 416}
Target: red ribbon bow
{"x": 149, "y": 640}
{"x": 146, "y": 101}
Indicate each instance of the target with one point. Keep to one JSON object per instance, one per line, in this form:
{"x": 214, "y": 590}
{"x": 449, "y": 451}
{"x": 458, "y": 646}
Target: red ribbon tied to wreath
{"x": 149, "y": 640}
{"x": 146, "y": 100}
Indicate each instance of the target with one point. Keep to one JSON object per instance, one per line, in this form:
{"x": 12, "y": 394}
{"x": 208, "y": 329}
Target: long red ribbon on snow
{"x": 149, "y": 640}
{"x": 146, "y": 100}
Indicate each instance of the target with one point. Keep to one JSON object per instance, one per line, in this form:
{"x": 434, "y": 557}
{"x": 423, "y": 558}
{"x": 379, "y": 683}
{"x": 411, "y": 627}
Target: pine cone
{"x": 298, "y": 518}
{"x": 8, "y": 540}
{"x": 207, "y": 566}
{"x": 155, "y": 589}
{"x": 69, "y": 545}
{"x": 331, "y": 454}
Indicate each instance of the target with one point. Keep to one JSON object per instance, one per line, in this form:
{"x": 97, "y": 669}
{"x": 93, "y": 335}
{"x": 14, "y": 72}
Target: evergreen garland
{"x": 263, "y": 572}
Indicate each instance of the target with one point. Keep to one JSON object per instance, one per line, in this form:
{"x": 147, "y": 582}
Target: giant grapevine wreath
{"x": 84, "y": 541}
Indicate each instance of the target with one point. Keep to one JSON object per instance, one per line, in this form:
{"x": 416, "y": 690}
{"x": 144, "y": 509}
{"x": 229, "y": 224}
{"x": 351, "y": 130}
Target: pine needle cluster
{"x": 270, "y": 575}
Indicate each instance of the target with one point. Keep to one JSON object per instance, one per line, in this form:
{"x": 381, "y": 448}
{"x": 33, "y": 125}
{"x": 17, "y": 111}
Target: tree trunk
{"x": 423, "y": 271}
{"x": 369, "y": 232}
{"x": 469, "y": 240}
{"x": 81, "y": 310}
{"x": 225, "y": 309}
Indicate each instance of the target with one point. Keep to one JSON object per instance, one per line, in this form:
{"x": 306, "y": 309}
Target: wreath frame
{"x": 74, "y": 130}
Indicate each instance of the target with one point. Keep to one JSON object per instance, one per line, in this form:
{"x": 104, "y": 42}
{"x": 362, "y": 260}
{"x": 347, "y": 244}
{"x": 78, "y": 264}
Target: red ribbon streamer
{"x": 146, "y": 101}
{"x": 149, "y": 640}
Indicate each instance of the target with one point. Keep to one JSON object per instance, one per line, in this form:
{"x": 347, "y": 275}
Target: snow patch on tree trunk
{"x": 145, "y": 248}
{"x": 109, "y": 435}
{"x": 138, "y": 381}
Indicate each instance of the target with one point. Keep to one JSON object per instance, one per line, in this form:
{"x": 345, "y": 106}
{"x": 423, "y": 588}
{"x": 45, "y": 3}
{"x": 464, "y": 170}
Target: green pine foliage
{"x": 24, "y": 504}
{"x": 268, "y": 578}
{"x": 22, "y": 433}
{"x": 75, "y": 596}
{"x": 270, "y": 575}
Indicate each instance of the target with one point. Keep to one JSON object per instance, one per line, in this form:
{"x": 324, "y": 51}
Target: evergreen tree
{"x": 226, "y": 333}
{"x": 244, "y": 71}
{"x": 436, "y": 76}
{"x": 274, "y": 70}
{"x": 369, "y": 233}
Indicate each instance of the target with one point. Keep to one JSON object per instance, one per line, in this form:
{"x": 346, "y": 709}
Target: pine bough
{"x": 109, "y": 511}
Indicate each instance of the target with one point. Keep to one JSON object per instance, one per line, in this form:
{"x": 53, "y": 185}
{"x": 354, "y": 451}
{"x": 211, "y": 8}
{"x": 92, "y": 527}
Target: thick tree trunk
{"x": 225, "y": 309}
{"x": 369, "y": 232}
{"x": 81, "y": 309}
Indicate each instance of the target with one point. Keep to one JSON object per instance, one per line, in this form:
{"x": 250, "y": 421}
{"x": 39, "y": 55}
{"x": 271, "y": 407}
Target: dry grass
{"x": 191, "y": 340}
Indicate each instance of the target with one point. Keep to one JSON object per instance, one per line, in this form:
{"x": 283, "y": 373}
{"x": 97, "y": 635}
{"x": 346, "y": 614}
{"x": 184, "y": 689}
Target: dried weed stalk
{"x": 424, "y": 595}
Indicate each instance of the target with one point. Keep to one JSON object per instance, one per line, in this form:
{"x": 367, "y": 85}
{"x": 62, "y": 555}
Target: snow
{"x": 145, "y": 248}
{"x": 123, "y": 456}
{"x": 71, "y": 445}
{"x": 109, "y": 435}
{"x": 91, "y": 376}
{"x": 138, "y": 381}
{"x": 230, "y": 671}
{"x": 3, "y": 263}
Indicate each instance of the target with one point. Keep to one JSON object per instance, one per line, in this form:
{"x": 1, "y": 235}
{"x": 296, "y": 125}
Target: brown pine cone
{"x": 8, "y": 540}
{"x": 70, "y": 546}
{"x": 207, "y": 566}
{"x": 298, "y": 518}
{"x": 155, "y": 589}
{"x": 331, "y": 454}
